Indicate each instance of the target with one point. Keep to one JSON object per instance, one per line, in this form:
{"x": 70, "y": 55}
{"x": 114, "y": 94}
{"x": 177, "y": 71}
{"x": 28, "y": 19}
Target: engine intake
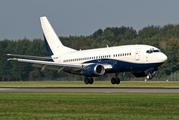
{"x": 93, "y": 70}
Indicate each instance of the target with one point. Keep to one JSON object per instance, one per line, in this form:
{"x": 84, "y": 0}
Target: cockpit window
{"x": 156, "y": 50}
{"x": 152, "y": 50}
{"x": 148, "y": 51}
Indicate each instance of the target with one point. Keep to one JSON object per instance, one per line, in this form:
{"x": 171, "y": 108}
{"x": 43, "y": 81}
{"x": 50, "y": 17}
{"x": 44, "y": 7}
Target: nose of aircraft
{"x": 163, "y": 57}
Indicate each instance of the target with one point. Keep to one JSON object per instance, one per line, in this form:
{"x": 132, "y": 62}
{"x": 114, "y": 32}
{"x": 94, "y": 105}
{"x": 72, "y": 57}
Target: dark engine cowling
{"x": 93, "y": 70}
{"x": 149, "y": 73}
{"x": 139, "y": 74}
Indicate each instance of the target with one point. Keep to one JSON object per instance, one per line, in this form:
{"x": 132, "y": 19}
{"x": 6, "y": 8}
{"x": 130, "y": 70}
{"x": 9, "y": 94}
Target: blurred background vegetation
{"x": 166, "y": 38}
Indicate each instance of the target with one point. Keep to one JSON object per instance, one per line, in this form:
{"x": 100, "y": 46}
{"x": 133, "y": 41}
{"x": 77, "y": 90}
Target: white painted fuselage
{"x": 140, "y": 60}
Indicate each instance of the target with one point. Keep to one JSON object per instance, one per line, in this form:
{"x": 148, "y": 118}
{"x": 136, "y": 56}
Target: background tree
{"x": 166, "y": 38}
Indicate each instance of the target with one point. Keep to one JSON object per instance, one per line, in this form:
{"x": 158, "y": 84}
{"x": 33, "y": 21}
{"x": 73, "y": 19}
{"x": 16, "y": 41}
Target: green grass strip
{"x": 88, "y": 106}
{"x": 96, "y": 84}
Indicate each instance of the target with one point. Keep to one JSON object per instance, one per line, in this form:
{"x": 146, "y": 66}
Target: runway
{"x": 88, "y": 90}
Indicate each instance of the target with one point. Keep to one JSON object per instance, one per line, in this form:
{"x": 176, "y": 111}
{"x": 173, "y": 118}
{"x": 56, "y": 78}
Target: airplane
{"x": 139, "y": 60}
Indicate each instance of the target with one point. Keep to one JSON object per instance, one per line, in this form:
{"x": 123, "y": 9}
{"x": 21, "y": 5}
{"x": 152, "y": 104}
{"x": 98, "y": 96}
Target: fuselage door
{"x": 137, "y": 54}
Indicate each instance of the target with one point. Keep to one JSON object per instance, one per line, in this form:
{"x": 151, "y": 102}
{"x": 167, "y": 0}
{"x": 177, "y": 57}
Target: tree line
{"x": 166, "y": 38}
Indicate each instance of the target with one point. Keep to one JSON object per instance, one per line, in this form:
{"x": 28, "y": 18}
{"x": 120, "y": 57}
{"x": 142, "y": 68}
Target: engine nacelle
{"x": 93, "y": 70}
{"x": 149, "y": 73}
{"x": 139, "y": 74}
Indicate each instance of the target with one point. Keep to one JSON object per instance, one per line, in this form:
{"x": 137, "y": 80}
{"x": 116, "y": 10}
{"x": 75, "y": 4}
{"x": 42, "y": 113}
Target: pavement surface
{"x": 89, "y": 90}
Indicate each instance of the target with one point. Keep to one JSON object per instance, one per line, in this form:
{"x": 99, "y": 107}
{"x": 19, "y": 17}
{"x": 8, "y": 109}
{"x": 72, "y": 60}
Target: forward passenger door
{"x": 137, "y": 54}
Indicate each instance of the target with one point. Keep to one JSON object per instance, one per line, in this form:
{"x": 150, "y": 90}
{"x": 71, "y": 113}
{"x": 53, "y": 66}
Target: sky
{"x": 21, "y": 18}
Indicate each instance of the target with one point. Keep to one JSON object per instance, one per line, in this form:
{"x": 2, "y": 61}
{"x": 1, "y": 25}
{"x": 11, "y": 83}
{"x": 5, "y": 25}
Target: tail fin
{"x": 53, "y": 43}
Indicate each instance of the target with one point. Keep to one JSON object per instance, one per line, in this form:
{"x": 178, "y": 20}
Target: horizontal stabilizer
{"x": 31, "y": 57}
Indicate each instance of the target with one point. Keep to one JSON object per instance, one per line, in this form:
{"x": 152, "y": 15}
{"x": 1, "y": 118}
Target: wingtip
{"x": 15, "y": 59}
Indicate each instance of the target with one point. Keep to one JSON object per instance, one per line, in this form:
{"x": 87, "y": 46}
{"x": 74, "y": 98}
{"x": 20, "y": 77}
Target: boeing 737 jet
{"x": 140, "y": 60}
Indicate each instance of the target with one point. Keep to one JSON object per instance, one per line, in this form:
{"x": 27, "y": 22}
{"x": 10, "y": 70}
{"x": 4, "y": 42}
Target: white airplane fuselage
{"x": 140, "y": 60}
{"x": 127, "y": 58}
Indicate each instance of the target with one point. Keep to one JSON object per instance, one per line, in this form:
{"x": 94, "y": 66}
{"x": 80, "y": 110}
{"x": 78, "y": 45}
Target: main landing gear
{"x": 88, "y": 80}
{"x": 115, "y": 80}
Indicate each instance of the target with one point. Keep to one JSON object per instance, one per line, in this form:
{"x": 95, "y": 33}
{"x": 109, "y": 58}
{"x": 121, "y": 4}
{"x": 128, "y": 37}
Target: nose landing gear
{"x": 150, "y": 75}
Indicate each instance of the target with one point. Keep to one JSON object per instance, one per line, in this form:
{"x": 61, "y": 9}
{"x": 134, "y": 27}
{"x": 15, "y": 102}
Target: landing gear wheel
{"x": 91, "y": 80}
{"x": 149, "y": 77}
{"x": 86, "y": 80}
{"x": 118, "y": 81}
{"x": 113, "y": 81}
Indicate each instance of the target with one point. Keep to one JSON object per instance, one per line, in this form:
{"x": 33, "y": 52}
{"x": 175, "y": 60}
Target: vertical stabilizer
{"x": 51, "y": 39}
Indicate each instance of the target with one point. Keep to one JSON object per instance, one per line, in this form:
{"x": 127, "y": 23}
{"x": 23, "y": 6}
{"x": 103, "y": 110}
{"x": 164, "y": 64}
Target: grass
{"x": 88, "y": 106}
{"x": 96, "y": 84}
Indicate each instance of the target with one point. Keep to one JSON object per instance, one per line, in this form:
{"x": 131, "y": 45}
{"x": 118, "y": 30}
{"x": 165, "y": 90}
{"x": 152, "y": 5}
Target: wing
{"x": 31, "y": 57}
{"x": 71, "y": 68}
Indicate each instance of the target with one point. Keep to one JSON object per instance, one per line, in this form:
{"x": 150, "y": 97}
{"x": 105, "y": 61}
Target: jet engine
{"x": 93, "y": 70}
{"x": 149, "y": 73}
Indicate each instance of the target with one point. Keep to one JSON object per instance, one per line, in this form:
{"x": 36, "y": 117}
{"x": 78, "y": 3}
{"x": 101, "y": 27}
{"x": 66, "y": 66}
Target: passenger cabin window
{"x": 121, "y": 54}
{"x": 88, "y": 58}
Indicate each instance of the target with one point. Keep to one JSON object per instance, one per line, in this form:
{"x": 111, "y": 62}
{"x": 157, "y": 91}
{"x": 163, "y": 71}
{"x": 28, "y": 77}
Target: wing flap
{"x": 58, "y": 68}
